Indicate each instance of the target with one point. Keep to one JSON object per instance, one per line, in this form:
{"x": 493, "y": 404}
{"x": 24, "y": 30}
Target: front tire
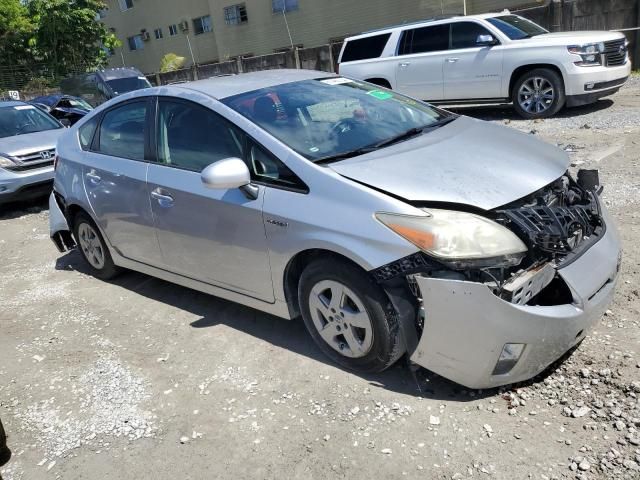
{"x": 349, "y": 316}
{"x": 538, "y": 93}
{"x": 93, "y": 248}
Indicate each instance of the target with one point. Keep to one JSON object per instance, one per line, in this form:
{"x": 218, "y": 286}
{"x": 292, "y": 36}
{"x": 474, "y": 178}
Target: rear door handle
{"x": 452, "y": 60}
{"x": 164, "y": 199}
{"x": 94, "y": 178}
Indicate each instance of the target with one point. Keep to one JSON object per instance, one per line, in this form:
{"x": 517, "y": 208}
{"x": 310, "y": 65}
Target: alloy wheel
{"x": 91, "y": 246}
{"x": 536, "y": 95}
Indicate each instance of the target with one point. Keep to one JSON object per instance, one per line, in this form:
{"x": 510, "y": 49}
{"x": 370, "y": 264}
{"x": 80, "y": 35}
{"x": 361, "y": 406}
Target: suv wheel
{"x": 538, "y": 94}
{"x": 93, "y": 248}
{"x": 349, "y": 316}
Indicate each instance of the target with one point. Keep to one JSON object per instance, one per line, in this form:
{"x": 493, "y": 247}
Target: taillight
{"x": 55, "y": 162}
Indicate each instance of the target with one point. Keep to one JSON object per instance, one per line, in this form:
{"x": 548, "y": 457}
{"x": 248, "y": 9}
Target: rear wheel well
{"x": 294, "y": 270}
{"x": 72, "y": 211}
{"x": 380, "y": 82}
{"x": 518, "y": 72}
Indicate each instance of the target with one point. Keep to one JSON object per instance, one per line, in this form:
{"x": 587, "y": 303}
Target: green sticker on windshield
{"x": 380, "y": 94}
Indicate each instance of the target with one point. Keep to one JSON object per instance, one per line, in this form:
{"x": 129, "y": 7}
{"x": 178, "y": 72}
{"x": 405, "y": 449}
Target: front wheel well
{"x": 381, "y": 82}
{"x": 296, "y": 266}
{"x": 518, "y": 72}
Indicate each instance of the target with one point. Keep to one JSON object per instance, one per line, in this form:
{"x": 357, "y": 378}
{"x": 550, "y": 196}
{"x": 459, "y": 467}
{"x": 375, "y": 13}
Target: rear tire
{"x": 93, "y": 248}
{"x": 538, "y": 93}
{"x": 349, "y": 316}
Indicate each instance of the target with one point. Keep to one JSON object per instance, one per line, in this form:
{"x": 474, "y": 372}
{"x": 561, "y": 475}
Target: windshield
{"x": 515, "y": 27}
{"x": 129, "y": 84}
{"x": 23, "y": 119}
{"x": 331, "y": 117}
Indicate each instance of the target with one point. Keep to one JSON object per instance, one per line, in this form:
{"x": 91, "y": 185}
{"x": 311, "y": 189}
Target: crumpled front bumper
{"x": 466, "y": 325}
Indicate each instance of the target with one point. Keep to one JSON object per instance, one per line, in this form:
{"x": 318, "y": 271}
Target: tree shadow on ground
{"x": 289, "y": 335}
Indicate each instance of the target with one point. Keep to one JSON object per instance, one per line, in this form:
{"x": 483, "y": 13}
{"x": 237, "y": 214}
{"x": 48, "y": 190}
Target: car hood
{"x": 467, "y": 161}
{"x": 30, "y": 142}
{"x": 573, "y": 38}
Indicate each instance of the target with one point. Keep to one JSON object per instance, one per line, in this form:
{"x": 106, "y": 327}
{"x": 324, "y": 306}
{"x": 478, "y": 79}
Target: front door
{"x": 472, "y": 71}
{"x": 114, "y": 177}
{"x": 419, "y": 72}
{"x": 214, "y": 236}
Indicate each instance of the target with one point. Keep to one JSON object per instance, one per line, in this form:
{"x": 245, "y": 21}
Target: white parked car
{"x": 491, "y": 58}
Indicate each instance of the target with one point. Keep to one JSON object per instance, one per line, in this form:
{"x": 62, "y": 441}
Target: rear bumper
{"x": 24, "y": 185}
{"x": 59, "y": 230}
{"x": 466, "y": 325}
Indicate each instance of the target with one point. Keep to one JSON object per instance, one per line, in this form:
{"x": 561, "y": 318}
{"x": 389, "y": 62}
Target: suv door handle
{"x": 404, "y": 64}
{"x": 452, "y": 60}
{"x": 164, "y": 200}
{"x": 93, "y": 177}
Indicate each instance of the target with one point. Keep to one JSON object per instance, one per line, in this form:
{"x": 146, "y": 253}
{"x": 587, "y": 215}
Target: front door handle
{"x": 93, "y": 177}
{"x": 452, "y": 60}
{"x": 164, "y": 199}
{"x": 405, "y": 64}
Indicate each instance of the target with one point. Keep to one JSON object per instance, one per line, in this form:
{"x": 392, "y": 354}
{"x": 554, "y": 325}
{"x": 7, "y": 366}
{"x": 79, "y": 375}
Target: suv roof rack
{"x": 416, "y": 22}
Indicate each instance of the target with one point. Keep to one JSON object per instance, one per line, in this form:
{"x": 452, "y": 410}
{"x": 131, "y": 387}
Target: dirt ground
{"x": 139, "y": 378}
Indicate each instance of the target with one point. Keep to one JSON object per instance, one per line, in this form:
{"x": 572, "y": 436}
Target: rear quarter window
{"x": 365, "y": 48}
{"x": 86, "y": 133}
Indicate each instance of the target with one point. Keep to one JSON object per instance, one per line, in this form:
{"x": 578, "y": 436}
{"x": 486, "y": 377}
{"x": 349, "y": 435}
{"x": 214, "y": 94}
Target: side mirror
{"x": 485, "y": 40}
{"x": 66, "y": 122}
{"x": 228, "y": 174}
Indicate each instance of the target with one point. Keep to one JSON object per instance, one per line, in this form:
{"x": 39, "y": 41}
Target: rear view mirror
{"x": 485, "y": 40}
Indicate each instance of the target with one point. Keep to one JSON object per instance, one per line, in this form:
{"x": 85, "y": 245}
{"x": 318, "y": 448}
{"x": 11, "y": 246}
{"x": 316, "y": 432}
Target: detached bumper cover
{"x": 59, "y": 230}
{"x": 466, "y": 325}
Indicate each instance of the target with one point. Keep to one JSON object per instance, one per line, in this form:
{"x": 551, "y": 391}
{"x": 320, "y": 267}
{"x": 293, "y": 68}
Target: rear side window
{"x": 425, "y": 39}
{"x": 465, "y": 34}
{"x": 122, "y": 131}
{"x": 365, "y": 48}
{"x": 85, "y": 133}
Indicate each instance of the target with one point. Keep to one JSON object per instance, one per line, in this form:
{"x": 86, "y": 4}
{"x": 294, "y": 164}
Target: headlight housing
{"x": 459, "y": 239}
{"x": 590, "y": 54}
{"x": 5, "y": 162}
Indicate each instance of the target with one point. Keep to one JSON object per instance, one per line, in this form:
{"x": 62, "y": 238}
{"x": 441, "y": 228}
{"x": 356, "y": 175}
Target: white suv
{"x": 491, "y": 58}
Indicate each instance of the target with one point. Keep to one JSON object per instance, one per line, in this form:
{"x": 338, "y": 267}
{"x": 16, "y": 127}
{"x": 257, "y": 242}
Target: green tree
{"x": 69, "y": 34}
{"x": 15, "y": 28}
{"x": 171, "y": 62}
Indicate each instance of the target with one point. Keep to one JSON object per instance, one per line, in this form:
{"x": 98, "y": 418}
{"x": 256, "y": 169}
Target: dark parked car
{"x": 98, "y": 87}
{"x": 63, "y": 107}
{"x": 5, "y": 453}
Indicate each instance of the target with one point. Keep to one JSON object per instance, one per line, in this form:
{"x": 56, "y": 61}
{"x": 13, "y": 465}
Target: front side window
{"x": 515, "y": 27}
{"x": 365, "y": 48}
{"x": 23, "y": 119}
{"x": 173, "y": 30}
{"x": 280, "y": 6}
{"x": 122, "y": 131}
{"x": 425, "y": 40}
{"x": 235, "y": 14}
{"x": 202, "y": 25}
{"x": 135, "y": 42}
{"x": 193, "y": 137}
{"x": 330, "y": 117}
{"x": 125, "y": 4}
{"x": 465, "y": 34}
{"x": 268, "y": 170}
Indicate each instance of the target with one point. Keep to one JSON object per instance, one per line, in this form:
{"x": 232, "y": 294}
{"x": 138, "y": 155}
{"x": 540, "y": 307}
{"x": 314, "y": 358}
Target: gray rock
{"x": 580, "y": 412}
{"x": 584, "y": 465}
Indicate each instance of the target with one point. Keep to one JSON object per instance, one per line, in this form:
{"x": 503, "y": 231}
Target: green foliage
{"x": 171, "y": 62}
{"x": 15, "y": 28}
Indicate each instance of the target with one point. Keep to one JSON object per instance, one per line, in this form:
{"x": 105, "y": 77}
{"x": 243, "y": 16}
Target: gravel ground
{"x": 138, "y": 377}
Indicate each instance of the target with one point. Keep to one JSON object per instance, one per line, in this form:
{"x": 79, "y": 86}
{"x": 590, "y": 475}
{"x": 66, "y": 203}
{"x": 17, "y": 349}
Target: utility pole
{"x": 284, "y": 14}
{"x": 193, "y": 59}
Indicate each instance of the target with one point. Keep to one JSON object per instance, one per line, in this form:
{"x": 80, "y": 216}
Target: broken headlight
{"x": 458, "y": 239}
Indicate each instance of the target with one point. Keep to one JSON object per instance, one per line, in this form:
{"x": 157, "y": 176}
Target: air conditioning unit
{"x": 145, "y": 36}
{"x": 184, "y": 26}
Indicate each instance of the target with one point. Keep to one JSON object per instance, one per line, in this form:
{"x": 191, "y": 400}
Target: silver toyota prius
{"x": 391, "y": 227}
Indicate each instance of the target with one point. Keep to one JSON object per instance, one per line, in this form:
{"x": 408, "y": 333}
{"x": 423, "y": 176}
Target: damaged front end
{"x": 489, "y": 325}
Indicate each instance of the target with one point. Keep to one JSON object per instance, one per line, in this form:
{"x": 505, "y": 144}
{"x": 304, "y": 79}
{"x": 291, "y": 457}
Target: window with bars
{"x": 135, "y": 42}
{"x": 173, "y": 30}
{"x": 158, "y": 33}
{"x": 202, "y": 25}
{"x": 235, "y": 14}
{"x": 125, "y": 4}
{"x": 279, "y": 6}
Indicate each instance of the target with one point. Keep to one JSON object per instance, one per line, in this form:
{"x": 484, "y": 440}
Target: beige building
{"x": 206, "y": 31}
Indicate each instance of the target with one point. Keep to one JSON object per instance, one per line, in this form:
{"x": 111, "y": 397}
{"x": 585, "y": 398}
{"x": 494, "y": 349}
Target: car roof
{"x": 428, "y": 21}
{"x": 230, "y": 85}
{"x": 11, "y": 103}
{"x": 48, "y": 99}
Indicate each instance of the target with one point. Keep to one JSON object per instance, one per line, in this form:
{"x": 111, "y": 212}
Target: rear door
{"x": 214, "y": 236}
{"x": 420, "y": 60}
{"x": 472, "y": 71}
{"x": 114, "y": 177}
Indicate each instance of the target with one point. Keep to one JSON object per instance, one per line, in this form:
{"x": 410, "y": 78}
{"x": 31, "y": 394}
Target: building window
{"x": 158, "y": 33}
{"x": 125, "y": 4}
{"x": 235, "y": 14}
{"x": 173, "y": 30}
{"x": 135, "y": 42}
{"x": 202, "y": 25}
{"x": 279, "y": 6}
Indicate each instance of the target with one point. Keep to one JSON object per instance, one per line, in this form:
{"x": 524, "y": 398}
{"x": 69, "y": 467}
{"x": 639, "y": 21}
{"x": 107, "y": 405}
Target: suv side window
{"x": 268, "y": 170}
{"x": 465, "y": 34}
{"x": 425, "y": 39}
{"x": 193, "y": 137}
{"x": 122, "y": 131}
{"x": 365, "y": 48}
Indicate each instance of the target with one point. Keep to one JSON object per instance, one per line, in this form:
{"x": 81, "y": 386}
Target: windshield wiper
{"x": 345, "y": 155}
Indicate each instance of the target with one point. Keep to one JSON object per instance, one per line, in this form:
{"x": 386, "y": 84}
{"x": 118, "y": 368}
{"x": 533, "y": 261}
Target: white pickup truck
{"x": 491, "y": 58}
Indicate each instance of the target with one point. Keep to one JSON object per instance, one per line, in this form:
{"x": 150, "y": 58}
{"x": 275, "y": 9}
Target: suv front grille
{"x": 25, "y": 167}
{"x": 615, "y": 52}
{"x": 37, "y": 156}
